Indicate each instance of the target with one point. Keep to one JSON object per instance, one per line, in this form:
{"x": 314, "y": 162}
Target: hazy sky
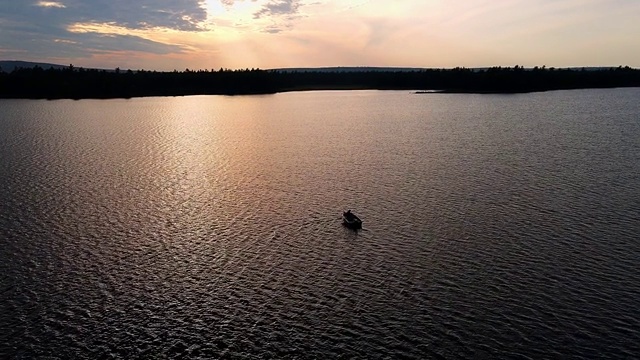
{"x": 199, "y": 34}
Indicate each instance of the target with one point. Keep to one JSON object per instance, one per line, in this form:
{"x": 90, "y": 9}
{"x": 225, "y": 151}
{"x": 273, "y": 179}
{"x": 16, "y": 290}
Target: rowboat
{"x": 351, "y": 220}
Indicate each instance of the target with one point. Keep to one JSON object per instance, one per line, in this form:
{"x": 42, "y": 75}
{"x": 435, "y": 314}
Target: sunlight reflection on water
{"x": 209, "y": 226}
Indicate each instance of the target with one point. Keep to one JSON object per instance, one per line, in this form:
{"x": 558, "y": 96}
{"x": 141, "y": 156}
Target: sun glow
{"x": 282, "y": 33}
{"x": 238, "y": 8}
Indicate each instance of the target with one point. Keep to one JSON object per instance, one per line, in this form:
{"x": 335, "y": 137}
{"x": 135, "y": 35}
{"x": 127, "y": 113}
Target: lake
{"x": 494, "y": 226}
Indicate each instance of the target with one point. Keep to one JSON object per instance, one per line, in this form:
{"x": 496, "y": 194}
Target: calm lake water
{"x": 495, "y": 226}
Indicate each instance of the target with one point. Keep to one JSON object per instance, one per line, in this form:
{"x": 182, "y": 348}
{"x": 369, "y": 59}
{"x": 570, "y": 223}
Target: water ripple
{"x": 209, "y": 227}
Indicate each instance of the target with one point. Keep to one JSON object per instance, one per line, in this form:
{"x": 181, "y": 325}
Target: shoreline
{"x": 71, "y": 83}
{"x": 306, "y": 89}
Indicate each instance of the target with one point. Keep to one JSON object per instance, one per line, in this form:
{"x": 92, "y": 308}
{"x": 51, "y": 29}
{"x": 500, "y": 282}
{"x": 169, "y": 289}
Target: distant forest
{"x": 77, "y": 83}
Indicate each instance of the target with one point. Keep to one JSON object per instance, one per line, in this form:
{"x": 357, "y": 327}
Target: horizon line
{"x": 36, "y": 63}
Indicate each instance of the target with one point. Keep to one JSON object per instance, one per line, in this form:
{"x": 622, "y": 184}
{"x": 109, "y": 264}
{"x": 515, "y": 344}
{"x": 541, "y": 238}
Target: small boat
{"x": 351, "y": 220}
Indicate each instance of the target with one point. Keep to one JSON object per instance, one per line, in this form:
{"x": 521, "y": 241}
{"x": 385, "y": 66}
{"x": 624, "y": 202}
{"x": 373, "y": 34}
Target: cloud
{"x": 127, "y": 43}
{"x": 84, "y": 45}
{"x": 50, "y": 4}
{"x": 278, "y": 7}
{"x": 276, "y": 28}
{"x": 42, "y": 28}
{"x": 184, "y": 15}
{"x": 65, "y": 41}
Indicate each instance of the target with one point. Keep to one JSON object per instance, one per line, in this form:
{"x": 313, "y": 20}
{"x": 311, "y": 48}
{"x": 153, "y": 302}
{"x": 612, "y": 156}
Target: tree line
{"x": 78, "y": 83}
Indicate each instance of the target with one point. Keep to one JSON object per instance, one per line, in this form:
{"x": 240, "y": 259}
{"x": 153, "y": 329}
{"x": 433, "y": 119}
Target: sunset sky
{"x": 206, "y": 34}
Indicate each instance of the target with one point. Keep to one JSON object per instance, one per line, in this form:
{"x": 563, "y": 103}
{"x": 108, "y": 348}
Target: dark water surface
{"x": 208, "y": 227}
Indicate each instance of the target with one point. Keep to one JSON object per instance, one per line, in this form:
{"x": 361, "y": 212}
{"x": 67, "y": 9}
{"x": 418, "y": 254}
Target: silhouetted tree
{"x": 89, "y": 83}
